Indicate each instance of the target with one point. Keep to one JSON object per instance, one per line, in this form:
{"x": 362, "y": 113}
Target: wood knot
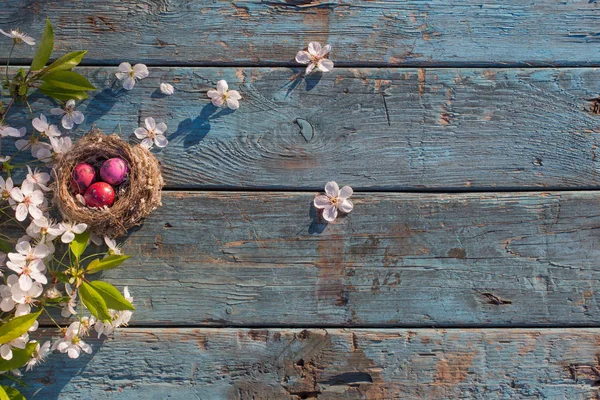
{"x": 306, "y": 129}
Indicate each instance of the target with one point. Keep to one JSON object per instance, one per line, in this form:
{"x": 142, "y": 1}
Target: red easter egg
{"x": 99, "y": 194}
{"x": 114, "y": 171}
{"x": 82, "y": 177}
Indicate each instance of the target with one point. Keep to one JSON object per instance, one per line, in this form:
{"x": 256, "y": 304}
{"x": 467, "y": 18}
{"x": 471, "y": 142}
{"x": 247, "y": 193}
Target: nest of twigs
{"x": 135, "y": 198}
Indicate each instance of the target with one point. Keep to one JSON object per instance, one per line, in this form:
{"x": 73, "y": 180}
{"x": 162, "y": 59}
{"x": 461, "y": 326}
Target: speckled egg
{"x": 99, "y": 194}
{"x": 82, "y": 177}
{"x": 114, "y": 171}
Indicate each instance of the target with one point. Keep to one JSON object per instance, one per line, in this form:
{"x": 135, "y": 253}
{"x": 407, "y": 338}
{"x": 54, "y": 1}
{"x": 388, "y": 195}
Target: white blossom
{"x": 167, "y": 88}
{"x": 68, "y": 308}
{"x": 113, "y": 249}
{"x": 42, "y": 126}
{"x": 223, "y": 96}
{"x": 39, "y": 179}
{"x": 71, "y": 342}
{"x": 25, "y": 298}
{"x": 61, "y": 145}
{"x": 38, "y": 356}
{"x": 129, "y": 74}
{"x": 315, "y": 58}
{"x": 6, "y": 130}
{"x": 5, "y": 188}
{"x": 28, "y": 263}
{"x": 28, "y": 201}
{"x": 18, "y": 37}
{"x": 70, "y": 230}
{"x": 118, "y": 318}
{"x": 8, "y": 303}
{"x": 18, "y": 343}
{"x": 70, "y": 116}
{"x": 44, "y": 228}
{"x": 334, "y": 200}
{"x": 153, "y": 133}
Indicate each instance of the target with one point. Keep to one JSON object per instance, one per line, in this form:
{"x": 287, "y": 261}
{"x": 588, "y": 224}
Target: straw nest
{"x": 135, "y": 198}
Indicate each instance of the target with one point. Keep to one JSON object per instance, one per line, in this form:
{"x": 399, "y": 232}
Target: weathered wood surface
{"x": 277, "y": 364}
{"x": 392, "y": 129}
{"x": 457, "y": 32}
{"x": 398, "y": 260}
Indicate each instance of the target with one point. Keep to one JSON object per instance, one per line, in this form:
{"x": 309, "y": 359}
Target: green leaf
{"x": 3, "y": 394}
{"x": 112, "y": 297}
{"x": 62, "y": 94}
{"x": 68, "y": 80}
{"x": 13, "y": 394}
{"x": 108, "y": 262}
{"x": 79, "y": 244}
{"x": 94, "y": 302}
{"x": 66, "y": 62}
{"x": 19, "y": 358}
{"x": 5, "y": 246}
{"x": 44, "y": 50}
{"x": 17, "y": 326}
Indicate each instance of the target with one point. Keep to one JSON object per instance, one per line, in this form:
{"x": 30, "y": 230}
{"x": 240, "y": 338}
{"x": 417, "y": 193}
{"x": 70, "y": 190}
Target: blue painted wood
{"x": 244, "y": 32}
{"x": 391, "y": 129}
{"x": 215, "y": 364}
{"x": 398, "y": 260}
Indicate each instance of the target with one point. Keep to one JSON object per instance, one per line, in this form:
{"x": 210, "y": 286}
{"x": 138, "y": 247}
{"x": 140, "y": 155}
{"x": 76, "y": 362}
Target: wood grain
{"x": 440, "y": 32}
{"x": 398, "y": 260}
{"x": 383, "y": 129}
{"x": 157, "y": 364}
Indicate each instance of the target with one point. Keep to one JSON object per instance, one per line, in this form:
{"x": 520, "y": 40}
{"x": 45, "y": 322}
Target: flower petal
{"x": 322, "y": 201}
{"x": 325, "y": 50}
{"x": 346, "y": 206}
{"x": 125, "y": 67}
{"x": 167, "y": 89}
{"x": 57, "y": 111}
{"x": 309, "y": 68}
{"x": 217, "y": 101}
{"x": 346, "y": 192}
{"x": 147, "y": 143}
{"x": 150, "y": 123}
{"x": 330, "y": 213}
{"x": 140, "y": 71}
{"x": 213, "y": 93}
{"x": 303, "y": 57}
{"x": 141, "y": 133}
{"x": 161, "y": 127}
{"x": 67, "y": 122}
{"x": 222, "y": 86}
{"x": 332, "y": 189}
{"x": 39, "y": 124}
{"x": 21, "y": 212}
{"x": 234, "y": 94}
{"x": 67, "y": 237}
{"x": 129, "y": 83}
{"x": 233, "y": 103}
{"x": 160, "y": 141}
{"x": 25, "y": 282}
{"x": 314, "y": 48}
{"x": 78, "y": 117}
{"x": 325, "y": 65}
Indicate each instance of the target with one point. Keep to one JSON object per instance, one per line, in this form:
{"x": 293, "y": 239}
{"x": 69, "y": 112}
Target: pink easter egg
{"x": 114, "y": 171}
{"x": 82, "y": 177}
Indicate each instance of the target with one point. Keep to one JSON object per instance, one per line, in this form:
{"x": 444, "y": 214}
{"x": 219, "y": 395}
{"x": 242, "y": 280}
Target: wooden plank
{"x": 398, "y": 260}
{"x": 390, "y": 129}
{"x": 262, "y": 32}
{"x": 328, "y": 364}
